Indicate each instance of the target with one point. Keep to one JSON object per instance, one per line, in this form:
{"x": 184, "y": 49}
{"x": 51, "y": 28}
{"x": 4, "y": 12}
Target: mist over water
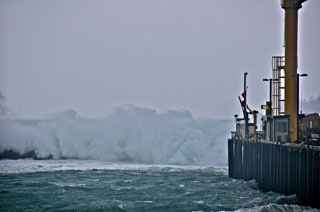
{"x": 130, "y": 134}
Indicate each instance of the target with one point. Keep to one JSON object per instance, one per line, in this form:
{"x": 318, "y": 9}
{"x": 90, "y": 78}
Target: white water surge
{"x": 129, "y": 134}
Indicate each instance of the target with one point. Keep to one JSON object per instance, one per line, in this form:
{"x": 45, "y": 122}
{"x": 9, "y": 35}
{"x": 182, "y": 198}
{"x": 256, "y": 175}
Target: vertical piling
{"x": 277, "y": 167}
{"x": 230, "y": 157}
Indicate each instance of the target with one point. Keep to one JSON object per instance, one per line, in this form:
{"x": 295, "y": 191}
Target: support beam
{"x": 291, "y": 8}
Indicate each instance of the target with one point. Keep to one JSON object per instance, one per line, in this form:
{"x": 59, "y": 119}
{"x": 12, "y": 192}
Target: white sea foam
{"x": 276, "y": 207}
{"x": 30, "y": 166}
{"x": 130, "y": 134}
{"x": 64, "y": 184}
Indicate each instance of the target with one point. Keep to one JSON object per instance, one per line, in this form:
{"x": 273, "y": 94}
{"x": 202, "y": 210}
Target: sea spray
{"x": 130, "y": 134}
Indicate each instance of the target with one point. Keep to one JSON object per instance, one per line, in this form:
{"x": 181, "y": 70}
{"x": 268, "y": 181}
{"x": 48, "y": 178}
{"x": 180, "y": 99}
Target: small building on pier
{"x": 276, "y": 128}
{"x": 310, "y": 127}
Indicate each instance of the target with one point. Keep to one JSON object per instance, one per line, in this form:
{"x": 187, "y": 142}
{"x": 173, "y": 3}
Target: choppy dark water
{"x": 71, "y": 185}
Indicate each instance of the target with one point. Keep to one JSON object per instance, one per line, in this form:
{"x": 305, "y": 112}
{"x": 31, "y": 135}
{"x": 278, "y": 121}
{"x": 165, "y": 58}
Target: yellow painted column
{"x": 291, "y": 8}
{"x": 291, "y": 29}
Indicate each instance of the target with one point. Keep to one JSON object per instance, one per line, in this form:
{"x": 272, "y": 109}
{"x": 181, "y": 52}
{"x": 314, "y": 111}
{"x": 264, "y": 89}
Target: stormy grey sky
{"x": 95, "y": 55}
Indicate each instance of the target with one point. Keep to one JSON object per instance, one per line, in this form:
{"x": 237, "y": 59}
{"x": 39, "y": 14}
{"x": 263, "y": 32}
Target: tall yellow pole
{"x": 291, "y": 8}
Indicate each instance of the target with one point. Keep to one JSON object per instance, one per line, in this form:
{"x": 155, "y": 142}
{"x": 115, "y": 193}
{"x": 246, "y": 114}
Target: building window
{"x": 282, "y": 127}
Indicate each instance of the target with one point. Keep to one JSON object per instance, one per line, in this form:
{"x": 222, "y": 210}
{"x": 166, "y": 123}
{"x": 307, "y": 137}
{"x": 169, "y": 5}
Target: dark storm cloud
{"x": 311, "y": 105}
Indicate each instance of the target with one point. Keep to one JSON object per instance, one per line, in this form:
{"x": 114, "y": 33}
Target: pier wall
{"x": 285, "y": 169}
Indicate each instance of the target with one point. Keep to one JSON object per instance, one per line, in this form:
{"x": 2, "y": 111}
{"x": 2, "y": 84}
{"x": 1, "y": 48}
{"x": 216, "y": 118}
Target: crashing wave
{"x": 129, "y": 134}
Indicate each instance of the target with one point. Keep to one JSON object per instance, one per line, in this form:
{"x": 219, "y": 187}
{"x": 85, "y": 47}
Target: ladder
{"x": 278, "y": 78}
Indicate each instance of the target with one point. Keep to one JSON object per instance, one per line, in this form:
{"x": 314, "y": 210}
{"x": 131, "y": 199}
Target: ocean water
{"x": 89, "y": 185}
